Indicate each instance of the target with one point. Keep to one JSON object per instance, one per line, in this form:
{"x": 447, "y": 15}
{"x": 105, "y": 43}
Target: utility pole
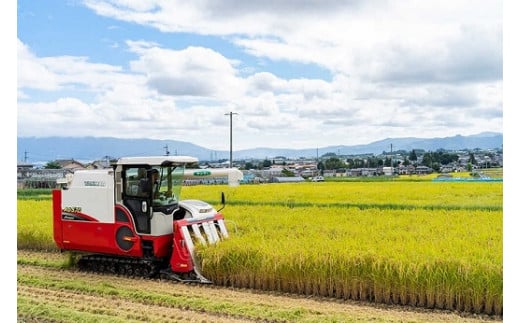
{"x": 317, "y": 163}
{"x": 391, "y": 160}
{"x": 230, "y": 114}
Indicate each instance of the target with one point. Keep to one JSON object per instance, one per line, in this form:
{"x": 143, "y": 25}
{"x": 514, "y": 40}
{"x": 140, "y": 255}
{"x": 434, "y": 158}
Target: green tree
{"x": 447, "y": 158}
{"x": 287, "y": 172}
{"x": 427, "y": 160}
{"x": 472, "y": 158}
{"x": 321, "y": 167}
{"x": 329, "y": 155}
{"x": 372, "y": 162}
{"x": 52, "y": 165}
{"x": 413, "y": 156}
{"x": 334, "y": 163}
{"x": 350, "y": 163}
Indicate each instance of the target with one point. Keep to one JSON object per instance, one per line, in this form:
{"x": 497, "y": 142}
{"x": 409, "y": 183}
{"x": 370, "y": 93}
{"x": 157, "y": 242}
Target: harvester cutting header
{"x": 130, "y": 219}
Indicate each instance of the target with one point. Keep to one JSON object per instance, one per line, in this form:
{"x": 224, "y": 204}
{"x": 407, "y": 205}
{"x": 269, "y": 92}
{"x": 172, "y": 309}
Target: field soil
{"x": 46, "y": 293}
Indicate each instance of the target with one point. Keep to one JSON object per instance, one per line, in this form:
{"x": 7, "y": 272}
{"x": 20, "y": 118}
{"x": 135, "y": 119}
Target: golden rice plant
{"x": 435, "y": 259}
{"x": 34, "y": 225}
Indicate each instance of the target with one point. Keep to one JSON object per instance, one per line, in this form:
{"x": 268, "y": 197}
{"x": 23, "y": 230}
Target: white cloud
{"x": 193, "y": 71}
{"x": 66, "y": 116}
{"x": 60, "y": 72}
{"x": 32, "y": 72}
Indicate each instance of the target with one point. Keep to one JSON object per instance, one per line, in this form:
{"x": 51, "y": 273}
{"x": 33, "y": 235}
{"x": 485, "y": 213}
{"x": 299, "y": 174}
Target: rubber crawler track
{"x": 135, "y": 268}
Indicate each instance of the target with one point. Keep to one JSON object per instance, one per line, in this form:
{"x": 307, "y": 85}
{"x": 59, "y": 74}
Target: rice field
{"x": 425, "y": 244}
{"x": 386, "y": 195}
{"x": 434, "y": 245}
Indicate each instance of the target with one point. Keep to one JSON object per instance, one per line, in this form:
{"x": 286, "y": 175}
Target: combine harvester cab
{"x": 130, "y": 219}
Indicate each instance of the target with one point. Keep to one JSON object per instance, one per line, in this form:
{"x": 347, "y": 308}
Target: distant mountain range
{"x": 38, "y": 150}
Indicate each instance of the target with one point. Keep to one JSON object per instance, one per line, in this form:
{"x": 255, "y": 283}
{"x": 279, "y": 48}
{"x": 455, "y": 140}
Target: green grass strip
{"x": 364, "y": 206}
{"x": 30, "y": 309}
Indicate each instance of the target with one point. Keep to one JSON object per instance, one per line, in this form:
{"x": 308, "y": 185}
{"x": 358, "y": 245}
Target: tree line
{"x": 434, "y": 160}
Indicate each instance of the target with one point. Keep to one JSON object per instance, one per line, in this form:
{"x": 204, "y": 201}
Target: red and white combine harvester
{"x": 129, "y": 219}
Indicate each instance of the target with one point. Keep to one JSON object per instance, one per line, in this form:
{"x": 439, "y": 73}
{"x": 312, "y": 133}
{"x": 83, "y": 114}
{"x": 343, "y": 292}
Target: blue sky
{"x": 299, "y": 74}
